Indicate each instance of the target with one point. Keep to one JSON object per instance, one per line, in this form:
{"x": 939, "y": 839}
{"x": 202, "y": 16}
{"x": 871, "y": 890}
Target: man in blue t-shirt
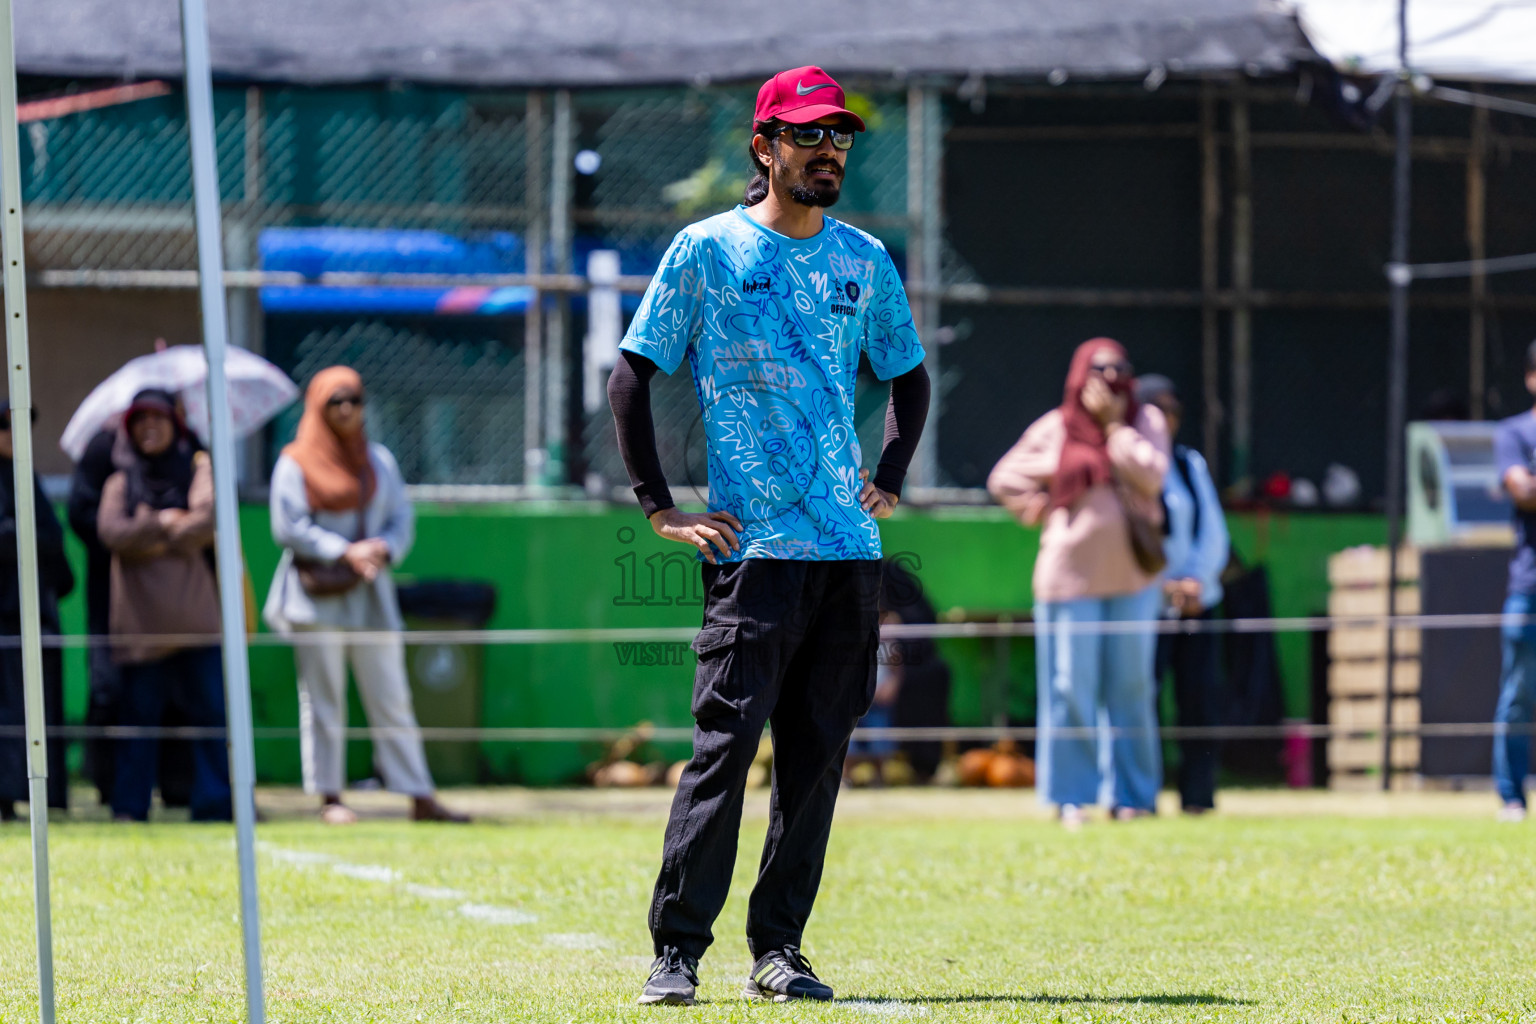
{"x": 1514, "y": 451}
{"x": 772, "y": 305}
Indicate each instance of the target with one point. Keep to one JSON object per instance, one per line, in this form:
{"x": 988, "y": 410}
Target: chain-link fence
{"x": 317, "y": 184}
{"x": 328, "y": 193}
{"x": 110, "y": 189}
{"x": 667, "y": 160}
{"x": 393, "y": 227}
{"x": 439, "y": 240}
{"x": 450, "y": 410}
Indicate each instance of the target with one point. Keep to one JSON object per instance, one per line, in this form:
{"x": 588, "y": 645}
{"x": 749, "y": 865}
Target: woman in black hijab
{"x": 156, "y": 517}
{"x": 54, "y": 581}
{"x": 161, "y": 480}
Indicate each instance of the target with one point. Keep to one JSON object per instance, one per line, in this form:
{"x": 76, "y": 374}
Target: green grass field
{"x": 936, "y": 905}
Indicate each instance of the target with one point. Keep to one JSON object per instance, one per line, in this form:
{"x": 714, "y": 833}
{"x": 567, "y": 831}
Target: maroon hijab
{"x": 1084, "y": 454}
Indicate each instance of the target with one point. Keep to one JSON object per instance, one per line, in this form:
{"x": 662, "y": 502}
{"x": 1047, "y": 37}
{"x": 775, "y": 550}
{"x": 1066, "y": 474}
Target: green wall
{"x": 1295, "y": 549}
{"x": 579, "y": 564}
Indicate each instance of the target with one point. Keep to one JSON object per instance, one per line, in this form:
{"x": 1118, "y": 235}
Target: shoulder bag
{"x": 1146, "y": 543}
{"x": 1146, "y": 537}
{"x": 329, "y": 579}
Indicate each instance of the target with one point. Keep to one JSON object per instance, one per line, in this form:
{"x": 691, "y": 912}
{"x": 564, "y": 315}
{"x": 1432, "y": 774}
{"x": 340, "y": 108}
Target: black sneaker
{"x": 782, "y": 975}
{"x": 674, "y": 978}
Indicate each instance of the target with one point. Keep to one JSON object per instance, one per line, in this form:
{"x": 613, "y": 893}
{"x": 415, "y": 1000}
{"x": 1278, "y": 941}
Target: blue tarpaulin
{"x": 316, "y": 251}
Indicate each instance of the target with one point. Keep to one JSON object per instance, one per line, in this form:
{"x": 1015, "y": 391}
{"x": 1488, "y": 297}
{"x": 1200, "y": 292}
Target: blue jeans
{"x": 1517, "y": 701}
{"x": 876, "y": 717}
{"x": 1088, "y": 681}
{"x": 193, "y": 680}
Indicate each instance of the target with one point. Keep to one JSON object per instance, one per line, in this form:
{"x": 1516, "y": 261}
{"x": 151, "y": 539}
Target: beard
{"x": 815, "y": 195}
{"x": 803, "y": 191}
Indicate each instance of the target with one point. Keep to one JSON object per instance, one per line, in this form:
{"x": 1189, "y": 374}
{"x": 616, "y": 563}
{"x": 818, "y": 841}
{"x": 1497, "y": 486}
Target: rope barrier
{"x": 685, "y": 634}
{"x": 682, "y": 635}
{"x": 1463, "y": 268}
{"x": 961, "y": 734}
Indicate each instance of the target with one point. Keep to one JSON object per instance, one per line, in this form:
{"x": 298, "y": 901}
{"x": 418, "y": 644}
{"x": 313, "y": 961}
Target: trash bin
{"x": 447, "y": 679}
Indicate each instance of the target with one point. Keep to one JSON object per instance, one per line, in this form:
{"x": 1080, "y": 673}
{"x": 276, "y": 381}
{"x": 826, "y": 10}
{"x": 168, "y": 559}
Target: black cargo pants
{"x": 792, "y": 643}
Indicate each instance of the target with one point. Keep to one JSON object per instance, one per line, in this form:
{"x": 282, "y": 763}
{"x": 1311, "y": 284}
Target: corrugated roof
{"x": 622, "y": 42}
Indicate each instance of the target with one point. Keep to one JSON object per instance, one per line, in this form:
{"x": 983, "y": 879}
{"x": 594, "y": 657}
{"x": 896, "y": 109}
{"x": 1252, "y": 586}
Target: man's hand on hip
{"x": 879, "y": 504}
{"x": 707, "y": 531}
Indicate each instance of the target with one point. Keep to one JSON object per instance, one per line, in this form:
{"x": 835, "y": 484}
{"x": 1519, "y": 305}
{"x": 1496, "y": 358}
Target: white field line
{"x": 884, "y": 1008}
{"x": 489, "y": 913}
{"x": 367, "y": 872}
{"x": 298, "y": 858}
{"x": 492, "y": 914}
{"x": 576, "y": 940}
{"x": 643, "y": 962}
{"x": 434, "y": 892}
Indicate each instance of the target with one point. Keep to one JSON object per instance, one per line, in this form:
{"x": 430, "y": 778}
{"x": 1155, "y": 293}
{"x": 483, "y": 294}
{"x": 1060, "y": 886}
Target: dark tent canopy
{"x": 521, "y": 43}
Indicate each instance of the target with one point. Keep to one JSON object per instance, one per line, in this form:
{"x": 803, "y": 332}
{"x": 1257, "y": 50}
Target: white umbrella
{"x": 258, "y": 391}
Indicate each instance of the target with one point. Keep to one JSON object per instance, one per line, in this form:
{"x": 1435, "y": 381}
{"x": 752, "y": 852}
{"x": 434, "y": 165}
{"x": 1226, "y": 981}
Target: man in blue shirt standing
{"x": 1514, "y": 451}
{"x": 771, "y": 305}
{"x": 1197, "y": 548}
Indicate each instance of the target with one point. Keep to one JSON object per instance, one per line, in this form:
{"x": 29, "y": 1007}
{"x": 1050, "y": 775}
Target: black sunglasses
{"x": 809, "y": 136}
{"x": 1123, "y": 369}
{"x": 337, "y": 401}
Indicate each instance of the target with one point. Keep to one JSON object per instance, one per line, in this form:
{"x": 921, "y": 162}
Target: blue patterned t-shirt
{"x": 772, "y": 327}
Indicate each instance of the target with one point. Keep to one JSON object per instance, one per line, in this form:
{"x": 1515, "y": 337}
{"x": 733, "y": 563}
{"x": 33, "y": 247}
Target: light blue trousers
{"x": 1091, "y": 683}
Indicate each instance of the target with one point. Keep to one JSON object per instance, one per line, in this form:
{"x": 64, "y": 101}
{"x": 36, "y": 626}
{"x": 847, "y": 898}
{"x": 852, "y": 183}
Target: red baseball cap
{"x": 800, "y": 96}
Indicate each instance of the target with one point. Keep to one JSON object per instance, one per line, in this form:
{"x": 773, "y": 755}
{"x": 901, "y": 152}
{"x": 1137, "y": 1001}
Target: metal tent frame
{"x": 199, "y": 91}
{"x": 18, "y": 368}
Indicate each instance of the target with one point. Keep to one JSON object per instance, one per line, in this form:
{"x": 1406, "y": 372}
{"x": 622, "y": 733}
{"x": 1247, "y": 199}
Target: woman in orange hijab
{"x": 340, "y": 512}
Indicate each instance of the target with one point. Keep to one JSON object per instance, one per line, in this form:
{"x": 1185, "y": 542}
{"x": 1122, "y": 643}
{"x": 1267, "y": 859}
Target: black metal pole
{"x": 1398, "y": 276}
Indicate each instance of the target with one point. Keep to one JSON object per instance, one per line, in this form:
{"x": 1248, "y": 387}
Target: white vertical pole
{"x": 210, "y": 265}
{"x": 533, "y": 323}
{"x": 605, "y": 327}
{"x": 556, "y": 349}
{"x": 19, "y": 369}
{"x": 925, "y": 168}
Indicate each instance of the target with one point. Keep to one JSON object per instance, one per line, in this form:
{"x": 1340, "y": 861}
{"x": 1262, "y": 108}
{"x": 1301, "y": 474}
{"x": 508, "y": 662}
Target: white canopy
{"x": 1482, "y": 40}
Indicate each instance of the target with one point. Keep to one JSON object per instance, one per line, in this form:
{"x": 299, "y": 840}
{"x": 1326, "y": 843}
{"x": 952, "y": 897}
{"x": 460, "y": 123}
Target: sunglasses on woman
{"x": 809, "y": 136}
{"x": 337, "y": 401}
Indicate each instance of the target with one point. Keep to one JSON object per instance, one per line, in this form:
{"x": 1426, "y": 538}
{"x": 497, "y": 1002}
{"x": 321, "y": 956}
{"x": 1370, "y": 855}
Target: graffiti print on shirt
{"x": 772, "y": 329}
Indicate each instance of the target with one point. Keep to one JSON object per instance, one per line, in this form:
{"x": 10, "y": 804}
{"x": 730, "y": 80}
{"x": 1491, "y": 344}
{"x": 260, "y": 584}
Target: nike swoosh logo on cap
{"x": 801, "y": 90}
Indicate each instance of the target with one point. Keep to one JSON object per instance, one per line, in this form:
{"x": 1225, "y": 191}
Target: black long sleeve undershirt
{"x": 904, "y": 419}
{"x": 629, "y": 395}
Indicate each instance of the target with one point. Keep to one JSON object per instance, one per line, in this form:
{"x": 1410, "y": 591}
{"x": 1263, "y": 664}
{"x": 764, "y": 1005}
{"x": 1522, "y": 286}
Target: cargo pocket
{"x": 716, "y": 683}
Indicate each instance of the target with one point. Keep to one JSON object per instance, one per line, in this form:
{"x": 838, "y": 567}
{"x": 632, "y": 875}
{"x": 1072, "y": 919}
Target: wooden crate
{"x": 1369, "y": 678}
{"x": 1365, "y": 643}
{"x": 1367, "y": 567}
{"x": 1357, "y": 671}
{"x": 1372, "y": 600}
{"x": 1351, "y": 752}
{"x": 1365, "y": 712}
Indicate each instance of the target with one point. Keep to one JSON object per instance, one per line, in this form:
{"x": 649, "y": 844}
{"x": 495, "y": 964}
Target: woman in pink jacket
{"x": 1082, "y": 470}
